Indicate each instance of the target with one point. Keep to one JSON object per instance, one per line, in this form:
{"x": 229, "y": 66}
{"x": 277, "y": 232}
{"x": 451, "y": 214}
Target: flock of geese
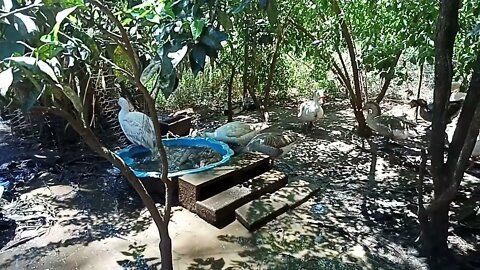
{"x": 138, "y": 127}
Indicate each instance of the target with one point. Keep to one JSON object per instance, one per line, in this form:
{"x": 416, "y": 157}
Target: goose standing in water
{"x": 388, "y": 126}
{"x": 137, "y": 127}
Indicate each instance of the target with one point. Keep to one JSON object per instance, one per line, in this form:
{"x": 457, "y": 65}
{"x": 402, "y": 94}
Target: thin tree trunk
{"x": 353, "y": 58}
{"x": 91, "y": 140}
{"x": 419, "y": 90}
{"x": 135, "y": 78}
{"x": 246, "y": 61}
{"x": 388, "y": 79}
{"x": 229, "y": 94}
{"x": 273, "y": 63}
{"x": 363, "y": 130}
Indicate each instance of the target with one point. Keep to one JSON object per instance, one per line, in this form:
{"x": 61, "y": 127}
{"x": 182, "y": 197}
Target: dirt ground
{"x": 84, "y": 216}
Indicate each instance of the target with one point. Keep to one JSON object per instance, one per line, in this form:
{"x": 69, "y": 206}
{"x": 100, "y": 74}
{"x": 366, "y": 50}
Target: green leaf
{"x": 197, "y": 59}
{"x": 8, "y": 48}
{"x": 150, "y": 71}
{"x": 47, "y": 69}
{"x": 272, "y": 12}
{"x": 48, "y": 51}
{"x": 90, "y": 43}
{"x": 121, "y": 59}
{"x": 178, "y": 56}
{"x": 197, "y": 28}
{"x": 73, "y": 97}
{"x": 6, "y": 79}
{"x": 35, "y": 65}
{"x": 24, "y": 24}
{"x": 64, "y": 3}
{"x": 25, "y": 61}
{"x": 225, "y": 20}
{"x": 6, "y": 5}
{"x": 62, "y": 15}
{"x": 213, "y": 38}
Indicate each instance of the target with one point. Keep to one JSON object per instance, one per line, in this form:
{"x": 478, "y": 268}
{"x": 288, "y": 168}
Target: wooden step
{"x": 259, "y": 212}
{"x": 219, "y": 210}
{"x": 200, "y": 186}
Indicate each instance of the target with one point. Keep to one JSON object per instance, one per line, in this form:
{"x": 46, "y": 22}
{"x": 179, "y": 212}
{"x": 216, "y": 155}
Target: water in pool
{"x": 179, "y": 159}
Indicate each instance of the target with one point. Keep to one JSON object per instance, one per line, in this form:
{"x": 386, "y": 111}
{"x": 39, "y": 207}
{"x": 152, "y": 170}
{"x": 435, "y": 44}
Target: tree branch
{"x": 463, "y": 142}
{"x": 389, "y": 78}
{"x": 132, "y": 55}
{"x": 92, "y": 141}
{"x": 348, "y": 39}
{"x": 20, "y": 10}
{"x": 345, "y": 70}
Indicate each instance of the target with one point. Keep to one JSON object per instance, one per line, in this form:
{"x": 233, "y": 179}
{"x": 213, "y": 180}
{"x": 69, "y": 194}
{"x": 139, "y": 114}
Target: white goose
{"x": 235, "y": 132}
{"x": 137, "y": 126}
{"x": 311, "y": 110}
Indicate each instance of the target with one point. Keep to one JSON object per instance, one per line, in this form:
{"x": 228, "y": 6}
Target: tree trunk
{"x": 166, "y": 248}
{"x": 246, "y": 61}
{"x": 435, "y": 239}
{"x": 165, "y": 240}
{"x": 439, "y": 231}
{"x": 91, "y": 140}
{"x": 419, "y": 90}
{"x": 273, "y": 64}
{"x": 229, "y": 94}
{"x": 363, "y": 130}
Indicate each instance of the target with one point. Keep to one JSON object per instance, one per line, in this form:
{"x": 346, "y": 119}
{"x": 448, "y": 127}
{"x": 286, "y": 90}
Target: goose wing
{"x": 393, "y": 122}
{"x": 138, "y": 128}
{"x": 274, "y": 140}
{"x": 236, "y": 129}
{"x": 268, "y": 150}
{"x": 307, "y": 110}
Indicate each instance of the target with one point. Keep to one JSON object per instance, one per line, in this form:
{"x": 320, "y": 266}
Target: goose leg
{"x": 310, "y": 126}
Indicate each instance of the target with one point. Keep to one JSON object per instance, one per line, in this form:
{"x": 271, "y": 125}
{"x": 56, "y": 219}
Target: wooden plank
{"x": 259, "y": 212}
{"x": 199, "y": 186}
{"x": 219, "y": 210}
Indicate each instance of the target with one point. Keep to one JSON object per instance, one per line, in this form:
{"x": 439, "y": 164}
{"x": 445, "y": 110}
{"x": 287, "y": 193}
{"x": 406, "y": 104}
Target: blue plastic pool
{"x": 222, "y": 148}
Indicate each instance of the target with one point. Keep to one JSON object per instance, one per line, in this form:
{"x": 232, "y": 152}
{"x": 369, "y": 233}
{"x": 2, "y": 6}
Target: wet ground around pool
{"x": 78, "y": 214}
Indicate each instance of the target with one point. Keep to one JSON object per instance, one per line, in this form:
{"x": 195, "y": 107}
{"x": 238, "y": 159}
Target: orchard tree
{"x": 448, "y": 164}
